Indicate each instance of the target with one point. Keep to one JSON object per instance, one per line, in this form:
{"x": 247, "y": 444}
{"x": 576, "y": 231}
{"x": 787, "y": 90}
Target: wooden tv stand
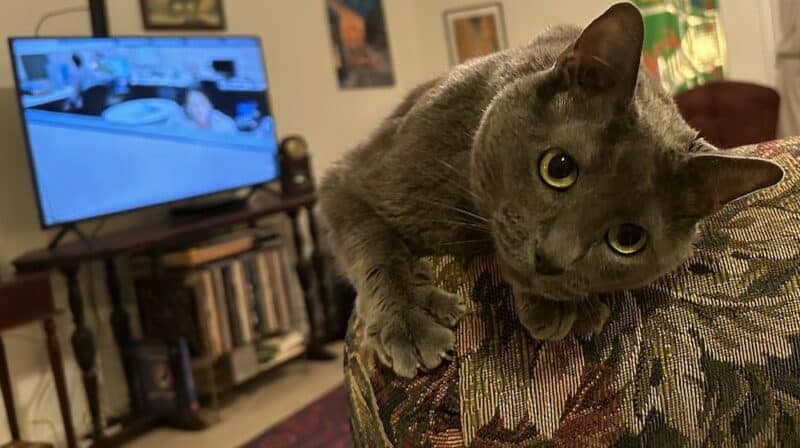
{"x": 68, "y": 257}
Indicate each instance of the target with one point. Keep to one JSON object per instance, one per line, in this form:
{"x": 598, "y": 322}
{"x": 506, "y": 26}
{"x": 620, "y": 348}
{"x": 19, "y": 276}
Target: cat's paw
{"x": 592, "y": 316}
{"x": 445, "y": 307}
{"x": 546, "y": 319}
{"x": 410, "y": 341}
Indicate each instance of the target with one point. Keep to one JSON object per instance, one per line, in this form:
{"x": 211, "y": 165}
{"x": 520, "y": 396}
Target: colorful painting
{"x": 683, "y": 45}
{"x": 474, "y": 32}
{"x": 360, "y": 43}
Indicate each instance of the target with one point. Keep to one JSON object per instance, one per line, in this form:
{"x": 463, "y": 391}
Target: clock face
{"x": 296, "y": 148}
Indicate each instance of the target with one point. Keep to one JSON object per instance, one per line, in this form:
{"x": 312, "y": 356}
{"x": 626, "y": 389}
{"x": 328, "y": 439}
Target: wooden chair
{"x": 730, "y": 113}
{"x": 25, "y": 300}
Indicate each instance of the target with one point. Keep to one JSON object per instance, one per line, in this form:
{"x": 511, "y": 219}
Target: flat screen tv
{"x": 117, "y": 124}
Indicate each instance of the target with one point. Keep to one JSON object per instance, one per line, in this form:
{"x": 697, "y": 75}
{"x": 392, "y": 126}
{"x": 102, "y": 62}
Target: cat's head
{"x": 589, "y": 176}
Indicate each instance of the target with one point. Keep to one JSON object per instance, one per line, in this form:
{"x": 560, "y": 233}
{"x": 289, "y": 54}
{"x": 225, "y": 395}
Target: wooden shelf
{"x": 142, "y": 238}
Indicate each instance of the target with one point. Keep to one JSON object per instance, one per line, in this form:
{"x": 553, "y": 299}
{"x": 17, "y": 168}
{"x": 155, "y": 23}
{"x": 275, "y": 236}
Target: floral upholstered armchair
{"x": 708, "y": 356}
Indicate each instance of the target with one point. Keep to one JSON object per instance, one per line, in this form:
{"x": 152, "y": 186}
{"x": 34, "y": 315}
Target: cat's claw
{"x": 420, "y": 337}
{"x": 592, "y": 316}
{"x": 546, "y": 319}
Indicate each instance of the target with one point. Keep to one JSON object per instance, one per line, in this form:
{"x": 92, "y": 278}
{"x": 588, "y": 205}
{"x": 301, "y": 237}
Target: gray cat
{"x": 562, "y": 159}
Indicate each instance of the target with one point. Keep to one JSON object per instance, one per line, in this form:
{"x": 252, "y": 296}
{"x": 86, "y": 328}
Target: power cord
{"x": 55, "y": 13}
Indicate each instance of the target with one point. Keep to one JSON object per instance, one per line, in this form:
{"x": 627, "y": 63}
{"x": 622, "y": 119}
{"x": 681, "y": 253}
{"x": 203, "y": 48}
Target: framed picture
{"x": 360, "y": 43}
{"x": 183, "y": 14}
{"x": 475, "y": 31}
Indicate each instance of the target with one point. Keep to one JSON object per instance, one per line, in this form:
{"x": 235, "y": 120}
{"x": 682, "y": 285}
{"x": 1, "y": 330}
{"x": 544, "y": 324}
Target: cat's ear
{"x": 605, "y": 59}
{"x": 715, "y": 180}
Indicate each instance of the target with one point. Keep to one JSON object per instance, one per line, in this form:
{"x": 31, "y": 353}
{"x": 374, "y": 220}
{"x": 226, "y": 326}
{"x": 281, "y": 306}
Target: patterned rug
{"x": 322, "y": 424}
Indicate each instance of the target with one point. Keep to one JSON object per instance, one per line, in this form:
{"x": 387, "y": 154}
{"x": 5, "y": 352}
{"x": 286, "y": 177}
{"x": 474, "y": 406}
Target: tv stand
{"x": 153, "y": 239}
{"x": 63, "y": 231}
{"x": 210, "y": 208}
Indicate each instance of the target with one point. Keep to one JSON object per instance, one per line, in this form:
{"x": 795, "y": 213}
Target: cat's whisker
{"x": 459, "y": 223}
{"x": 454, "y": 243}
{"x": 450, "y": 207}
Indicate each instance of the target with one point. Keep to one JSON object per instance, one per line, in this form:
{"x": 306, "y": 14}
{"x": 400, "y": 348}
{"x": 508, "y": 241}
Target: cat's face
{"x": 588, "y": 184}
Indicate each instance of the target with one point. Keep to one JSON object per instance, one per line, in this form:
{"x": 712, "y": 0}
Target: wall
{"x": 306, "y": 100}
{"x": 748, "y": 27}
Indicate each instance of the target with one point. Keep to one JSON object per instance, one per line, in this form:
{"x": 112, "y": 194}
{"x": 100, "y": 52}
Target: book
{"x": 209, "y": 251}
{"x": 267, "y": 293}
{"x": 213, "y": 316}
{"x": 203, "y": 315}
{"x": 280, "y": 296}
{"x": 188, "y": 390}
{"x": 242, "y": 308}
{"x": 222, "y": 308}
{"x": 154, "y": 385}
{"x": 294, "y": 292}
{"x": 253, "y": 289}
{"x": 237, "y": 334}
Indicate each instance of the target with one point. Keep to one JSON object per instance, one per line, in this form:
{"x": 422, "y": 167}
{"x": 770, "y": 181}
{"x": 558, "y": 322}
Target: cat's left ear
{"x": 715, "y": 180}
{"x": 605, "y": 59}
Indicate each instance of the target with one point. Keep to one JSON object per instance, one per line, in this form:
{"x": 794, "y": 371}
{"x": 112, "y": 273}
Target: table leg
{"x": 57, "y": 365}
{"x": 120, "y": 324}
{"x": 85, "y": 352}
{"x": 315, "y": 349}
{"x": 318, "y": 261}
{"x": 8, "y": 394}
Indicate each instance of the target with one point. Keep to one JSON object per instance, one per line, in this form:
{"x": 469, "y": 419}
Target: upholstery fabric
{"x": 707, "y": 356}
{"x": 730, "y": 114}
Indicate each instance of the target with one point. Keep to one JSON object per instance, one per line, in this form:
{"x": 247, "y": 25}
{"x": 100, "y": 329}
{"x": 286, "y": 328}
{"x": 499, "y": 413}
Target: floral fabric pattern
{"x": 707, "y": 356}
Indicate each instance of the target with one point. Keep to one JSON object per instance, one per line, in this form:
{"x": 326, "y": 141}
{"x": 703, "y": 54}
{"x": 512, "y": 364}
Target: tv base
{"x": 63, "y": 231}
{"x": 209, "y": 208}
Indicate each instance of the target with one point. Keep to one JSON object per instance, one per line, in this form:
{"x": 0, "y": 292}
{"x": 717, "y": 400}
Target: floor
{"x": 259, "y": 405}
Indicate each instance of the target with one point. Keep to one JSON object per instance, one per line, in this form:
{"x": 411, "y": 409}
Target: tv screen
{"x": 116, "y": 124}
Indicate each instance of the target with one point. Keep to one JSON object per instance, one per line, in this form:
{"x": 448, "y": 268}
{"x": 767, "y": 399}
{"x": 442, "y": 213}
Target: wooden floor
{"x": 267, "y": 401}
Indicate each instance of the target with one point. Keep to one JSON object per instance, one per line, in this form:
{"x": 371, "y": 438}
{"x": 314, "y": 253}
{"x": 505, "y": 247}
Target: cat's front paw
{"x": 544, "y": 319}
{"x": 418, "y": 337}
{"x": 592, "y": 316}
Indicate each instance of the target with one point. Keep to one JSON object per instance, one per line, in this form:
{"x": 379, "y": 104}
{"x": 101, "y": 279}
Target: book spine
{"x": 294, "y": 292}
{"x": 212, "y": 324}
{"x": 267, "y": 293}
{"x": 245, "y": 321}
{"x": 233, "y": 312}
{"x": 202, "y": 314}
{"x": 254, "y": 295}
{"x": 276, "y": 276}
{"x": 205, "y": 343}
{"x": 222, "y": 309}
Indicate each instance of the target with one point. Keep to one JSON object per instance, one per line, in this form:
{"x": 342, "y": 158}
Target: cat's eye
{"x": 557, "y": 169}
{"x": 626, "y": 239}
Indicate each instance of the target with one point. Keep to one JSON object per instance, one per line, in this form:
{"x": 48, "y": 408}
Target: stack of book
{"x": 241, "y": 300}
{"x": 227, "y": 294}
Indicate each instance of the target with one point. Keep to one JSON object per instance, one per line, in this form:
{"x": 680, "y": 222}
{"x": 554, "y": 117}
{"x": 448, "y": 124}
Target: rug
{"x": 325, "y": 423}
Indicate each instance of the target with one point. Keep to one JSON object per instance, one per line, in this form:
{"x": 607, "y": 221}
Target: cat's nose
{"x": 545, "y": 266}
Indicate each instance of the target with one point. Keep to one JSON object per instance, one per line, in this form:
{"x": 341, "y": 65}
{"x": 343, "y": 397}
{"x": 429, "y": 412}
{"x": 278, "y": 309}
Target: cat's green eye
{"x": 626, "y": 239}
{"x": 557, "y": 169}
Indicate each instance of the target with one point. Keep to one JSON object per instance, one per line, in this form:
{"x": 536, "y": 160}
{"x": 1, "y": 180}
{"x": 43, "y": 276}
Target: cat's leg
{"x": 545, "y": 319}
{"x": 592, "y": 316}
{"x": 408, "y": 320}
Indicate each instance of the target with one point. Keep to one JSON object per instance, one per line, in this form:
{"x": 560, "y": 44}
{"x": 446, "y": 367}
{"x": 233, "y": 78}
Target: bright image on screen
{"x": 122, "y": 123}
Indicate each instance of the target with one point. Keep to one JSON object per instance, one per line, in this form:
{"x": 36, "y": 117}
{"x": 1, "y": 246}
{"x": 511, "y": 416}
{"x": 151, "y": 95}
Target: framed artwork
{"x": 360, "y": 43}
{"x": 183, "y": 14}
{"x": 475, "y": 31}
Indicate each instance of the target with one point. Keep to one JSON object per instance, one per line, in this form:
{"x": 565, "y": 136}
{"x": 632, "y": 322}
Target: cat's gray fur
{"x": 453, "y": 170}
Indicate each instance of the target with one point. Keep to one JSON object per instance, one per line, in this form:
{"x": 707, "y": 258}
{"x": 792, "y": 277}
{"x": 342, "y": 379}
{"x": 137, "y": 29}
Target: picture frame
{"x": 474, "y": 31}
{"x": 183, "y": 14}
{"x": 359, "y": 35}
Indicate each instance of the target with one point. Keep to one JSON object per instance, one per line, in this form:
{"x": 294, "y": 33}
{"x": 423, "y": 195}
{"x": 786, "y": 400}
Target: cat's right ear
{"x": 604, "y": 60}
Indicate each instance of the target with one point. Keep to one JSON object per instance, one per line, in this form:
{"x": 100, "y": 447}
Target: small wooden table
{"x": 25, "y": 300}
